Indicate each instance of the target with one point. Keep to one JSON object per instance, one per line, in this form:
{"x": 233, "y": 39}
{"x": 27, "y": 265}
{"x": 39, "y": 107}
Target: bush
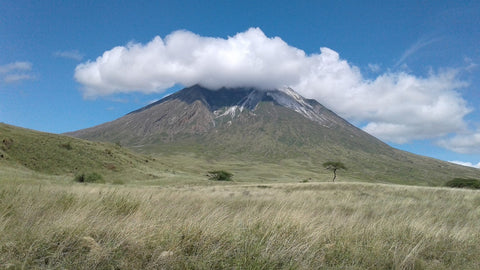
{"x": 89, "y": 178}
{"x": 463, "y": 183}
{"x": 220, "y": 175}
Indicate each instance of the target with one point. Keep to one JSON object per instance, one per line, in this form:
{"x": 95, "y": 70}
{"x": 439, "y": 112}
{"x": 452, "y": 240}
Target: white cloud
{"x": 468, "y": 143}
{"x": 16, "y": 72}
{"x": 73, "y": 54}
{"x": 401, "y": 107}
{"x": 247, "y": 59}
{"x": 11, "y": 78}
{"x": 396, "y": 106}
{"x": 470, "y": 65}
{"x": 15, "y": 66}
{"x": 468, "y": 164}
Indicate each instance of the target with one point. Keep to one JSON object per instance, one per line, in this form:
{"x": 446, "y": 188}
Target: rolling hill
{"x": 52, "y": 154}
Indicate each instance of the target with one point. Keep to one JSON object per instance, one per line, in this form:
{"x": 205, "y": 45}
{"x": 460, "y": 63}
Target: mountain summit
{"x": 266, "y": 126}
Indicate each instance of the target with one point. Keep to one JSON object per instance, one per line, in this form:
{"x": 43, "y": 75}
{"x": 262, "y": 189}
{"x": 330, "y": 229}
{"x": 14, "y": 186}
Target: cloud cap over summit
{"x": 394, "y": 106}
{"x": 246, "y": 59}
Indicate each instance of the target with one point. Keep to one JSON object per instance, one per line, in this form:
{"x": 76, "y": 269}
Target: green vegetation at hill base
{"x": 463, "y": 183}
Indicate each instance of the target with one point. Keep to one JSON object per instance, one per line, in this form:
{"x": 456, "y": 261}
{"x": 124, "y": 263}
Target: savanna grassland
{"x": 162, "y": 212}
{"x": 55, "y": 225}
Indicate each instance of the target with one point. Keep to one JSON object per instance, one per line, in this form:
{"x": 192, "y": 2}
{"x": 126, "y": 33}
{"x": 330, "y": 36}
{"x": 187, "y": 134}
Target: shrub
{"x": 220, "y": 175}
{"x": 463, "y": 183}
{"x": 89, "y": 178}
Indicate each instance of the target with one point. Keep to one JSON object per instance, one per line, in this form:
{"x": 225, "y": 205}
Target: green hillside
{"x": 53, "y": 154}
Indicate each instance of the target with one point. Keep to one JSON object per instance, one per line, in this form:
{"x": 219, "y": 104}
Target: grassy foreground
{"x": 280, "y": 226}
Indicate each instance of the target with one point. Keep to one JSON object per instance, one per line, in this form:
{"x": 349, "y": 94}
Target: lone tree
{"x": 334, "y": 166}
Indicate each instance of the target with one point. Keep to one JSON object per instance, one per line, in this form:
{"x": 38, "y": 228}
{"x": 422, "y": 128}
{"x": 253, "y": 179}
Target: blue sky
{"x": 405, "y": 71}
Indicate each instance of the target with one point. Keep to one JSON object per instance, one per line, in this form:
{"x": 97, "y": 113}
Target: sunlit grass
{"x": 257, "y": 226}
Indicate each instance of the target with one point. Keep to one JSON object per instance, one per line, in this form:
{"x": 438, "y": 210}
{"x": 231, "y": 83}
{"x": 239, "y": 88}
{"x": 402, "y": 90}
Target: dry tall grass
{"x": 287, "y": 226}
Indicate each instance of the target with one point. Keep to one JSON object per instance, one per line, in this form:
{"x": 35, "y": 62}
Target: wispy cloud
{"x": 11, "y": 78}
{"x": 15, "y": 66}
{"x": 470, "y": 65}
{"x": 396, "y": 106}
{"x": 375, "y": 68}
{"x": 421, "y": 43}
{"x": 73, "y": 54}
{"x": 16, "y": 72}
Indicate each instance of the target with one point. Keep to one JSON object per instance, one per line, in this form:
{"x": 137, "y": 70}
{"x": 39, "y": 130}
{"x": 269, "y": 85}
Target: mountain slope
{"x": 266, "y": 126}
{"x": 246, "y": 112}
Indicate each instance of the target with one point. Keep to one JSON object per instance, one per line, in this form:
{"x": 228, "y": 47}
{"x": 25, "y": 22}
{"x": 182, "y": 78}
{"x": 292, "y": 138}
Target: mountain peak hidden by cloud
{"x": 394, "y": 106}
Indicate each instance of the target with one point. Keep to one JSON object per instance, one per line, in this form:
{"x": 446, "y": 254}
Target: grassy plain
{"x": 59, "y": 225}
{"x": 162, "y": 212}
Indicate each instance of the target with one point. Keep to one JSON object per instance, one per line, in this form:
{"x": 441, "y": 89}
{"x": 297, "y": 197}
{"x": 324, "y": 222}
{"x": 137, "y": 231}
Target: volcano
{"x": 266, "y": 126}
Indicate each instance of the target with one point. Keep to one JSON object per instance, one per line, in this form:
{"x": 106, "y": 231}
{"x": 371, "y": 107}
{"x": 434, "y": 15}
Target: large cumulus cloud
{"x": 395, "y": 106}
{"x": 247, "y": 59}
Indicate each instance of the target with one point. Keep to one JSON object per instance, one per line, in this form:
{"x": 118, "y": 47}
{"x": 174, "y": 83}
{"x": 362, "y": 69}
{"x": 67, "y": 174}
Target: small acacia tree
{"x": 334, "y": 166}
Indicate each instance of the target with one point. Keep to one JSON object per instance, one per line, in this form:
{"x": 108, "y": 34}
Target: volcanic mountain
{"x": 267, "y": 126}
